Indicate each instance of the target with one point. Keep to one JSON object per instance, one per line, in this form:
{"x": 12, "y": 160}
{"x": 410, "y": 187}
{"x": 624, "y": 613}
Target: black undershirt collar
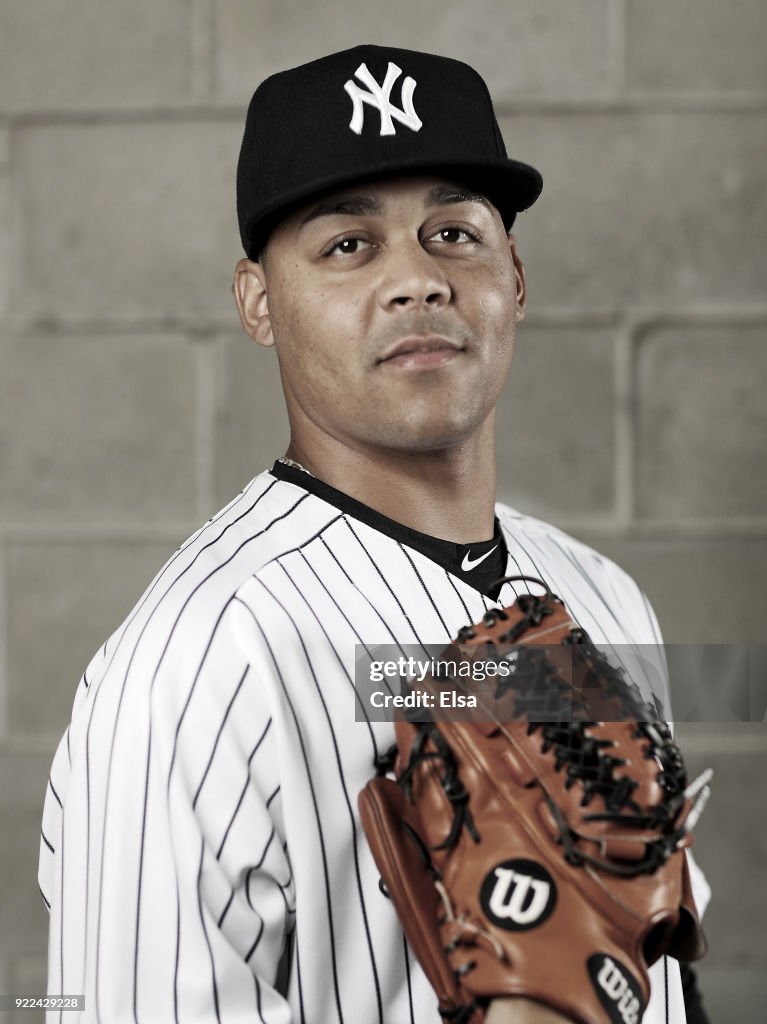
{"x": 479, "y": 565}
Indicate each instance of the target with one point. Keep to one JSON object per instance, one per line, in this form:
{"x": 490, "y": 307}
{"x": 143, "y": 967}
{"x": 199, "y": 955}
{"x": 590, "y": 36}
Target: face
{"x": 393, "y": 306}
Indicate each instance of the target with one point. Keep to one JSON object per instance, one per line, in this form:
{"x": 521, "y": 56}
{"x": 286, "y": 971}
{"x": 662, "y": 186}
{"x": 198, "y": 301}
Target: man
{"x": 202, "y": 856}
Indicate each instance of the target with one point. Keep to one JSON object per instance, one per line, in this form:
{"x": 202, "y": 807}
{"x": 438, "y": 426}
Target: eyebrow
{"x": 354, "y": 206}
{"x": 362, "y": 205}
{"x": 442, "y": 195}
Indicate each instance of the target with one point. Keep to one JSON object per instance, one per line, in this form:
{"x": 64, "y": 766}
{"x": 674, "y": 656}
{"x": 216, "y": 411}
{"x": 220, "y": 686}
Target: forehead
{"x": 377, "y": 196}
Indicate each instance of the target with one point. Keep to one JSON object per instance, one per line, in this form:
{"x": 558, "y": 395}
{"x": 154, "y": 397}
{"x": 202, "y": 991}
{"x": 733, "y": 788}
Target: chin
{"x": 430, "y": 439}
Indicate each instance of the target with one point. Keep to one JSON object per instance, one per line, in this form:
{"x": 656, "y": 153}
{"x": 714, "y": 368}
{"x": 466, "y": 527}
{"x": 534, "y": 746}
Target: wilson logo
{"x": 518, "y": 894}
{"x": 379, "y": 96}
{"x": 618, "y": 990}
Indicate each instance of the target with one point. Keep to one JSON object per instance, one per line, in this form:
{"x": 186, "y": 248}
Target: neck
{"x": 448, "y": 493}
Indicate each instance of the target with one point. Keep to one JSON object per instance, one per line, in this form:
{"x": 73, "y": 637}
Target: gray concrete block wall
{"x": 248, "y": 403}
{"x": 125, "y": 222}
{"x": 559, "y": 400}
{"x": 531, "y": 48}
{"x": 702, "y": 422}
{"x": 5, "y": 224}
{"x": 96, "y": 54}
{"x": 645, "y": 208}
{"x": 132, "y": 408}
{"x": 695, "y": 46}
{"x": 85, "y": 455}
{"x": 68, "y": 597}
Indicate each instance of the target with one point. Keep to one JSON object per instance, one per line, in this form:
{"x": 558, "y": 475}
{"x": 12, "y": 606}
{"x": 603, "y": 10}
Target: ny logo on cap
{"x": 378, "y": 96}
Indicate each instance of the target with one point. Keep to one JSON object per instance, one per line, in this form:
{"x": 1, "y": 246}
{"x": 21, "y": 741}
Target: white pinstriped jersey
{"x": 201, "y": 854}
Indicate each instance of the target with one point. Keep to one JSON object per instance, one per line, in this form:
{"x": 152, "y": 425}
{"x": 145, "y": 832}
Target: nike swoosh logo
{"x": 468, "y": 563}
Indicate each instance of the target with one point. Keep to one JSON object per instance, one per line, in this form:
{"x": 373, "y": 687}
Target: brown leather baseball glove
{"x": 535, "y": 845}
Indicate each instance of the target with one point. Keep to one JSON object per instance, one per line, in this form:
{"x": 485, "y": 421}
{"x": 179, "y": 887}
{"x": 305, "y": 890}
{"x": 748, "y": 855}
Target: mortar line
{"x": 18, "y": 215}
{"x": 5, "y": 965}
{"x": 116, "y": 326}
{"x": 4, "y": 635}
{"x": 635, "y": 102}
{"x": 740, "y": 315}
{"x": 214, "y": 50}
{"x": 88, "y": 533}
{"x": 201, "y": 50}
{"x": 714, "y": 530}
{"x": 207, "y": 384}
{"x": 665, "y": 530}
{"x": 625, "y": 423}
{"x": 617, "y": 46}
{"x": 729, "y": 745}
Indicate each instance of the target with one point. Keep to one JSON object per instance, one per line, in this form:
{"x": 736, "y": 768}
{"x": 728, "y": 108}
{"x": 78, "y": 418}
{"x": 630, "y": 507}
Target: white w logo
{"x": 512, "y": 892}
{"x": 378, "y": 96}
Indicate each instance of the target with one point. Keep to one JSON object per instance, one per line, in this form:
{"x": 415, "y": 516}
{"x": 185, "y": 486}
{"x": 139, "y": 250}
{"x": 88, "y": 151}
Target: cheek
{"x": 498, "y": 309}
{"x": 492, "y": 289}
{"x": 318, "y": 339}
{"x": 291, "y": 311}
{"x": 496, "y": 314}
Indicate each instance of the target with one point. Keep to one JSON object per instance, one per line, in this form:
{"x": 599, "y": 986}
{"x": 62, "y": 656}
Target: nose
{"x": 413, "y": 279}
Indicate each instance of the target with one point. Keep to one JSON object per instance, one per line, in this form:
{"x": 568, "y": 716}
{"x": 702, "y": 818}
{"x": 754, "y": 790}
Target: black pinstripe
{"x": 344, "y": 786}
{"x": 122, "y": 693}
{"x": 359, "y": 639}
{"x": 406, "y": 957}
{"x": 242, "y": 792}
{"x": 214, "y": 981}
{"x": 385, "y": 583}
{"x": 334, "y": 966}
{"x": 229, "y": 707}
{"x": 376, "y": 611}
{"x": 450, "y": 580}
{"x": 427, "y": 592}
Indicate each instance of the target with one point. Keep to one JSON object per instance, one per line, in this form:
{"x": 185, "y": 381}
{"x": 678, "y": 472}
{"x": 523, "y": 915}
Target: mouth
{"x": 421, "y": 352}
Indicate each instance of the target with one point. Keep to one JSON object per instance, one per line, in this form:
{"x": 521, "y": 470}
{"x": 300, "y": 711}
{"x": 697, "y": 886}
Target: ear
{"x": 249, "y": 290}
{"x": 519, "y": 273}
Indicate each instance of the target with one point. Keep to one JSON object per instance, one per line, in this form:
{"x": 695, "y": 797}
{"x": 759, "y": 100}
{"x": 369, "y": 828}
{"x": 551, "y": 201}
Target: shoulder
{"x": 185, "y": 604}
{"x": 556, "y": 541}
{"x": 583, "y": 576}
{"x": 600, "y": 596}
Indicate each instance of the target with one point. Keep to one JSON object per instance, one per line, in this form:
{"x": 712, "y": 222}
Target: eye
{"x": 453, "y": 236}
{"x": 348, "y": 246}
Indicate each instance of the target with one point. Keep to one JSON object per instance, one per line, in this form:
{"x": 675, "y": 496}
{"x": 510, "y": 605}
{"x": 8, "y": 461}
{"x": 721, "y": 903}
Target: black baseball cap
{"x": 370, "y": 112}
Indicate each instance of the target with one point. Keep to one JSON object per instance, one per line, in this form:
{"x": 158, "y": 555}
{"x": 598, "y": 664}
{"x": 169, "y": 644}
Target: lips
{"x": 421, "y": 348}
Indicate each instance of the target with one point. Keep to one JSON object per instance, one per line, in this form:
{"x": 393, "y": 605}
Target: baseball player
{"x": 201, "y": 853}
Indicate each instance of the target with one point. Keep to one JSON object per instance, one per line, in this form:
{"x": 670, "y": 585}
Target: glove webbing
{"x": 583, "y": 755}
